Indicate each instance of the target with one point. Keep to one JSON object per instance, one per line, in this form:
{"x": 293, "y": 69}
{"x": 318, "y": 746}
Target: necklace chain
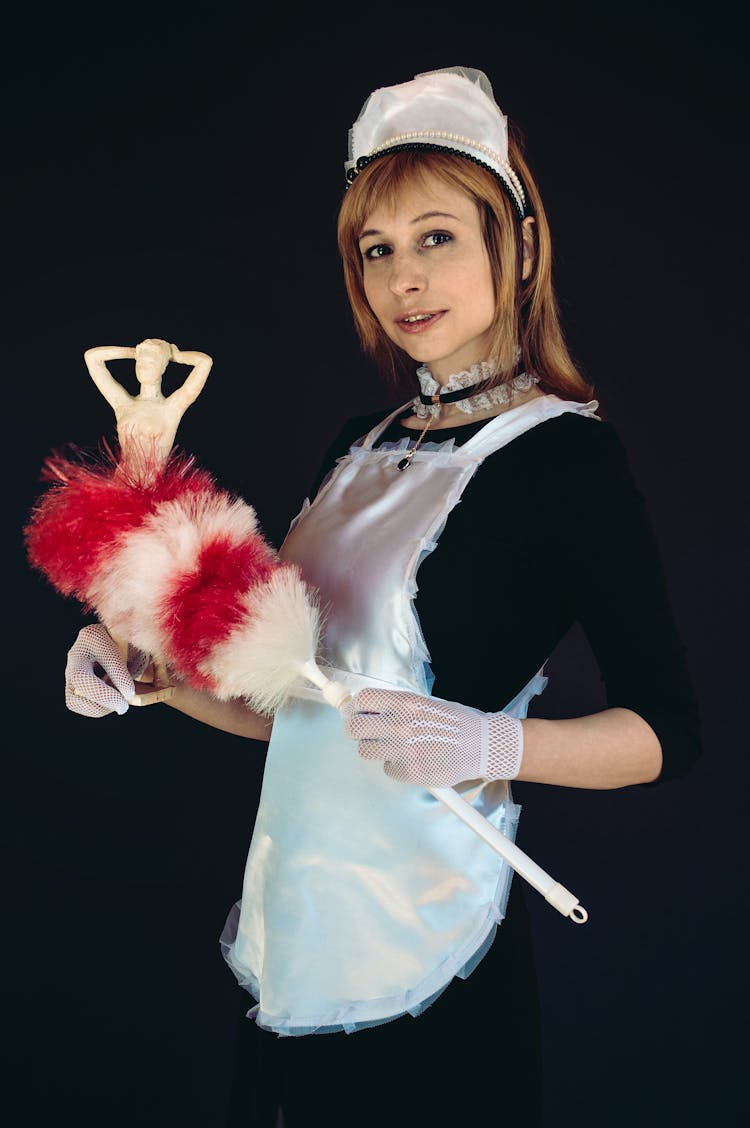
{"x": 406, "y": 461}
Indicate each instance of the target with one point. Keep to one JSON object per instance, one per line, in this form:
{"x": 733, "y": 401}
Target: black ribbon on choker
{"x": 453, "y": 397}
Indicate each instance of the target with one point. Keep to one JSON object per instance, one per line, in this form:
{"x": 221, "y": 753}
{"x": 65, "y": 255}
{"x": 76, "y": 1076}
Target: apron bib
{"x": 363, "y": 896}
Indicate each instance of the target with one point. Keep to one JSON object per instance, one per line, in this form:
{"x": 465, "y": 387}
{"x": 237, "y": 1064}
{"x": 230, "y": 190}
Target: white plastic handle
{"x": 334, "y": 693}
{"x": 557, "y": 895}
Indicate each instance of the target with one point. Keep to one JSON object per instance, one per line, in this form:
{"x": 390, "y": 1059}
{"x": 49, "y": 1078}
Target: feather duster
{"x": 179, "y": 568}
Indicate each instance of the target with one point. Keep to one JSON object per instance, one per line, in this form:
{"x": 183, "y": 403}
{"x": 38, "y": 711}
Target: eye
{"x": 379, "y": 250}
{"x": 436, "y": 239}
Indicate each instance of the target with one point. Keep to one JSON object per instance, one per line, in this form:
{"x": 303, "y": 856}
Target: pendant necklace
{"x": 407, "y": 460}
{"x": 437, "y": 399}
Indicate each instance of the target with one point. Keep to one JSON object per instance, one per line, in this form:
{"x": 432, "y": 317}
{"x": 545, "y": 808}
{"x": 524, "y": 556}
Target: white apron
{"x": 363, "y": 896}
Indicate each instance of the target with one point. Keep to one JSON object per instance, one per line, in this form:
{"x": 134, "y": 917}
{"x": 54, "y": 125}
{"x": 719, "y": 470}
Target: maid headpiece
{"x": 448, "y": 110}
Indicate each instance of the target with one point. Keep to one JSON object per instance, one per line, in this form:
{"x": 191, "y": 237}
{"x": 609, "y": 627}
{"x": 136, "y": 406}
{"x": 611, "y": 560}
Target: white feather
{"x": 262, "y": 657}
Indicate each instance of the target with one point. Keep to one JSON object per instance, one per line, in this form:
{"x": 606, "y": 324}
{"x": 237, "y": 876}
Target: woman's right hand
{"x": 94, "y": 654}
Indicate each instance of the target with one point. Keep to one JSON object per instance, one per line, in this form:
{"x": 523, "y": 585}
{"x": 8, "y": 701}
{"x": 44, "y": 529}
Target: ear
{"x": 528, "y": 234}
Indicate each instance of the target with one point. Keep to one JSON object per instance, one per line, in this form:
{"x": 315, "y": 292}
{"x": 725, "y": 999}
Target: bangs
{"x": 382, "y": 181}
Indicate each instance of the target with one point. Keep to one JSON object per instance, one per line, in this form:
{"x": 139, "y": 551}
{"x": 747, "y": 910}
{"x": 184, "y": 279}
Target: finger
{"x": 372, "y": 749}
{"x": 81, "y": 677}
{"x": 426, "y": 775}
{"x": 397, "y": 769}
{"x": 371, "y": 700}
{"x": 371, "y": 726}
{"x": 83, "y": 707}
{"x": 122, "y": 682}
{"x": 95, "y": 644}
{"x": 91, "y": 688}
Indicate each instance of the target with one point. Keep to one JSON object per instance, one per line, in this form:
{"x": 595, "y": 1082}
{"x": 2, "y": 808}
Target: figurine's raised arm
{"x": 96, "y": 362}
{"x": 193, "y": 385}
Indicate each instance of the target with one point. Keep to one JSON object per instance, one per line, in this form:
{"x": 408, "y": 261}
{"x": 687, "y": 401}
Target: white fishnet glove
{"x": 85, "y": 691}
{"x": 433, "y": 742}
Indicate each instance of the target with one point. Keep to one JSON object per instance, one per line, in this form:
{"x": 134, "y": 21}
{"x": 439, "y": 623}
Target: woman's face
{"x": 427, "y": 276}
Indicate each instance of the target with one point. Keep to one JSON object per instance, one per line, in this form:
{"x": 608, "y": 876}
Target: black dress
{"x": 550, "y": 531}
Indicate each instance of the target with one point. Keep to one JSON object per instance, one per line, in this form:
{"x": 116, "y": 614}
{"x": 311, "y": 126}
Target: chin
{"x": 420, "y": 357}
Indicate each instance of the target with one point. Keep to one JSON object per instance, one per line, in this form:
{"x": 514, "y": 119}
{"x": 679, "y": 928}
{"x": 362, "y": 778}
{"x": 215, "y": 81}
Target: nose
{"x": 407, "y": 274}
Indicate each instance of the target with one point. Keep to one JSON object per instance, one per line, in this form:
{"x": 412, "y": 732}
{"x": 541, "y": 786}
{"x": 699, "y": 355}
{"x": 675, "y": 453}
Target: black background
{"x": 178, "y": 175}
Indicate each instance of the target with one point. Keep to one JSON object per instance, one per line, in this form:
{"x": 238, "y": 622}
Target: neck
{"x": 149, "y": 392}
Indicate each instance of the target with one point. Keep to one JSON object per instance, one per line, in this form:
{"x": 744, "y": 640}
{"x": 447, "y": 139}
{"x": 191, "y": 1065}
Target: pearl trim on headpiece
{"x": 467, "y": 142}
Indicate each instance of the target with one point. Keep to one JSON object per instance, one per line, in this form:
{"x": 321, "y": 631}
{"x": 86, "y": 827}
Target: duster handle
{"x": 335, "y": 694}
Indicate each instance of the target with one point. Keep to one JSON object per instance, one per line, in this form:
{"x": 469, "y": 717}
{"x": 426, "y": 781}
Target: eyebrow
{"x": 417, "y": 219}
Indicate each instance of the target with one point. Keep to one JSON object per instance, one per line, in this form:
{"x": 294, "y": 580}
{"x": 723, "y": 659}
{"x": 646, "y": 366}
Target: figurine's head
{"x": 151, "y": 359}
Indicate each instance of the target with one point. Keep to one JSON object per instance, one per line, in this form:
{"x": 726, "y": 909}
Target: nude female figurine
{"x": 146, "y": 427}
{"x": 147, "y": 423}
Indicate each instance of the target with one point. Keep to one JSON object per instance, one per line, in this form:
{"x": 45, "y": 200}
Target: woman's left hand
{"x": 433, "y": 742}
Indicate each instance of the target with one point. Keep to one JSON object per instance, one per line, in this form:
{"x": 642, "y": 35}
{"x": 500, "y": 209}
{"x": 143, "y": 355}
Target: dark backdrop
{"x": 178, "y": 176}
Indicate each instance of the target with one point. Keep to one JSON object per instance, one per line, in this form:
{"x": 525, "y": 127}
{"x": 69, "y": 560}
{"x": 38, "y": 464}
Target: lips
{"x": 418, "y": 321}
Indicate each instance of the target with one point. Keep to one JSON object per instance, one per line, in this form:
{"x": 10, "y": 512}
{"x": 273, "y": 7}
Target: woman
{"x": 368, "y": 916}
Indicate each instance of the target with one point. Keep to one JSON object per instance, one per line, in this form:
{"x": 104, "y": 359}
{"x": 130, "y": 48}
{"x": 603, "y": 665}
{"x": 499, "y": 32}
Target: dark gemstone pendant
{"x": 403, "y": 463}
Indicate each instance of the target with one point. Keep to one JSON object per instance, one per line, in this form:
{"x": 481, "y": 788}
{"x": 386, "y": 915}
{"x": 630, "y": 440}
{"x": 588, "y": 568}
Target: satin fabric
{"x": 363, "y": 897}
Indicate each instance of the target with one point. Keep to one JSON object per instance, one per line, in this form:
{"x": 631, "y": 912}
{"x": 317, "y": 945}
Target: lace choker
{"x": 467, "y": 390}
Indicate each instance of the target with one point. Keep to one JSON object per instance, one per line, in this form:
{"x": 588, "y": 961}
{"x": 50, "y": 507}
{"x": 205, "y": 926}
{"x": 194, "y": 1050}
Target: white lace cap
{"x": 452, "y": 108}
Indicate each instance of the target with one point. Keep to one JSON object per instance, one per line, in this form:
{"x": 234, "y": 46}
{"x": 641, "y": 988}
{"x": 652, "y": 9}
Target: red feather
{"x": 206, "y": 603}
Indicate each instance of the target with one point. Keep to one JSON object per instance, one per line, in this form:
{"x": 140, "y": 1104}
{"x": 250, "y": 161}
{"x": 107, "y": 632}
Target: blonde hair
{"x": 526, "y": 313}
